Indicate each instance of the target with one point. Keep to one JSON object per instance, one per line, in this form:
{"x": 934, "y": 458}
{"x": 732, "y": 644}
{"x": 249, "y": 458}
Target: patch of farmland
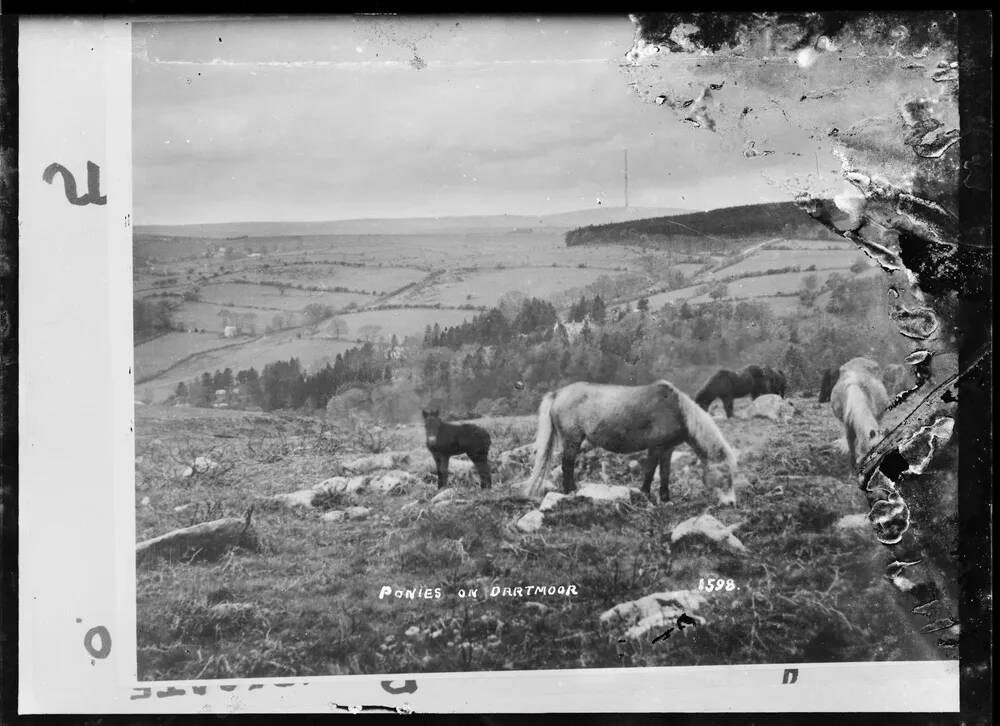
{"x": 257, "y": 353}
{"x": 776, "y": 259}
{"x": 486, "y": 287}
{"x": 768, "y": 285}
{"x": 273, "y": 298}
{"x": 813, "y": 244}
{"x": 435, "y": 251}
{"x": 381, "y": 280}
{"x": 672, "y": 296}
{"x": 399, "y": 322}
{"x": 160, "y": 353}
{"x": 205, "y": 316}
{"x": 688, "y": 268}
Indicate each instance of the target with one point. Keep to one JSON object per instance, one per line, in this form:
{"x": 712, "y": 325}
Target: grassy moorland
{"x": 302, "y": 598}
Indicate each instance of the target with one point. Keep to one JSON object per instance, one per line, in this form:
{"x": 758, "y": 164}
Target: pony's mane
{"x": 702, "y": 428}
{"x": 858, "y": 413}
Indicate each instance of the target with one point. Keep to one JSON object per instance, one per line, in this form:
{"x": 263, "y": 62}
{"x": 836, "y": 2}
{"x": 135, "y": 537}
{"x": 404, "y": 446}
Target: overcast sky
{"x": 377, "y": 117}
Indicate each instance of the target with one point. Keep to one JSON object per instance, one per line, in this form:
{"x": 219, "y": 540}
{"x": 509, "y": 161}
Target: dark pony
{"x": 776, "y": 381}
{"x": 624, "y": 419}
{"x": 445, "y": 440}
{"x": 827, "y": 383}
{"x": 729, "y": 385}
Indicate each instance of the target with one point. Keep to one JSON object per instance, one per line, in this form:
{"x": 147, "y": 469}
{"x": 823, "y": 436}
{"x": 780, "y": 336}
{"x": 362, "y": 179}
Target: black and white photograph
{"x": 516, "y": 343}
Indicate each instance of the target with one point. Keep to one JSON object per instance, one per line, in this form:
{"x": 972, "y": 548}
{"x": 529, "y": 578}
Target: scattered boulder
{"x": 208, "y": 540}
{"x": 333, "y": 485}
{"x": 520, "y": 457}
{"x": 521, "y": 489}
{"x": 342, "y": 485}
{"x": 230, "y": 609}
{"x": 392, "y": 481}
{"x": 771, "y": 406}
{"x": 604, "y": 493}
{"x": 550, "y": 500}
{"x": 302, "y": 499}
{"x": 540, "y": 608}
{"x": 334, "y": 516}
{"x": 443, "y": 496}
{"x": 180, "y": 509}
{"x": 531, "y": 522}
{"x": 145, "y": 501}
{"x": 711, "y": 528}
{"x": 202, "y": 465}
{"x": 658, "y": 611}
{"x": 356, "y": 513}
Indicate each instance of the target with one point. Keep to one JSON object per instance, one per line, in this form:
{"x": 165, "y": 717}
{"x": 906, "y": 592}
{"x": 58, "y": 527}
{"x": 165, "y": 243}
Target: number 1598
{"x": 715, "y": 584}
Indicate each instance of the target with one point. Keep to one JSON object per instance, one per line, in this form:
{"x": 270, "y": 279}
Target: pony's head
{"x": 725, "y": 477}
{"x": 865, "y": 442}
{"x": 432, "y": 424}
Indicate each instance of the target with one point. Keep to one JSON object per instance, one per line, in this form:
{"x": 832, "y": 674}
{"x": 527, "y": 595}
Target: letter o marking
{"x": 105, "y": 636}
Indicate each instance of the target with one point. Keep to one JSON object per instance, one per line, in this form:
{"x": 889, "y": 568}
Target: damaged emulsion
{"x": 912, "y": 233}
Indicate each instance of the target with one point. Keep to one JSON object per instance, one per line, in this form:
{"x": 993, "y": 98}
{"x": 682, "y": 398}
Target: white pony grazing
{"x": 625, "y": 419}
{"x": 858, "y": 401}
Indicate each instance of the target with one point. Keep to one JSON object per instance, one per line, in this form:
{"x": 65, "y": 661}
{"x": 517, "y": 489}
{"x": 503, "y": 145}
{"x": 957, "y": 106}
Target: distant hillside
{"x": 414, "y": 225}
{"x": 718, "y": 229}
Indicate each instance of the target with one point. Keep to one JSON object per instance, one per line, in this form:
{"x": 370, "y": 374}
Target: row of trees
{"x": 495, "y": 326}
{"x": 682, "y": 343}
{"x": 503, "y": 360}
{"x": 286, "y": 384}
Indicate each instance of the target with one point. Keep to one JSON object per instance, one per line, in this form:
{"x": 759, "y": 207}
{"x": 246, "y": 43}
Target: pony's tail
{"x": 545, "y": 441}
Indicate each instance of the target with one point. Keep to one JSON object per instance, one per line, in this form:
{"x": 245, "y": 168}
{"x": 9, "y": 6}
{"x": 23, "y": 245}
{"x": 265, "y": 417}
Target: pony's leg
{"x": 665, "y": 455}
{"x": 483, "y": 469}
{"x": 442, "y": 468}
{"x": 852, "y": 445}
{"x": 652, "y": 459}
{"x": 727, "y": 403}
{"x": 569, "y": 453}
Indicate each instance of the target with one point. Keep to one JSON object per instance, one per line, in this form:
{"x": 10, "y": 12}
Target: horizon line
{"x": 685, "y": 210}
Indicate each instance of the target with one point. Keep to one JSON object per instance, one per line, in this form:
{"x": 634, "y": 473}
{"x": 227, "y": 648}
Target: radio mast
{"x": 626, "y": 178}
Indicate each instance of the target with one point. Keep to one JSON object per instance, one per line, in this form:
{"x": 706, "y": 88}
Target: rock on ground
{"x": 334, "y": 516}
{"x": 341, "y": 485}
{"x": 604, "y": 493}
{"x": 202, "y": 465}
{"x": 521, "y": 456}
{"x": 710, "y": 527}
{"x": 443, "y": 496}
{"x": 771, "y": 406}
{"x": 658, "y": 611}
{"x": 358, "y": 512}
{"x": 531, "y": 522}
{"x": 392, "y": 481}
{"x": 302, "y": 499}
{"x": 550, "y": 500}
